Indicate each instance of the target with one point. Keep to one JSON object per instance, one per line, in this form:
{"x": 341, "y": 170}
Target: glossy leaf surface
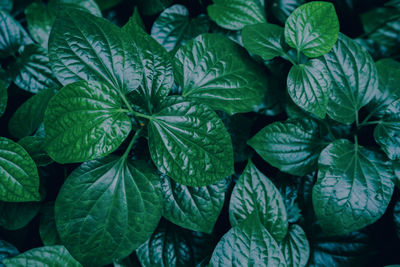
{"x": 295, "y": 247}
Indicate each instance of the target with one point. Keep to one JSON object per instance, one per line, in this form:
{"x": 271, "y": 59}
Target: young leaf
{"x": 354, "y": 79}
{"x": 107, "y": 208}
{"x": 16, "y": 215}
{"x": 353, "y": 189}
{"x": 36, "y": 148}
{"x": 55, "y": 256}
{"x": 3, "y": 97}
{"x": 40, "y": 18}
{"x": 254, "y": 192}
{"x": 295, "y": 247}
{"x": 158, "y": 75}
{"x": 105, "y": 53}
{"x": 264, "y": 39}
{"x": 28, "y": 117}
{"x": 386, "y": 133}
{"x": 189, "y": 143}
{"x": 173, "y": 28}
{"x": 194, "y": 208}
{"x": 235, "y": 14}
{"x": 292, "y": 146}
{"x": 309, "y": 86}
{"x": 248, "y": 244}
{"x": 389, "y": 86}
{"x": 19, "y": 176}
{"x": 218, "y": 72}
{"x": 84, "y": 121}
{"x": 312, "y": 28}
{"x": 12, "y": 35}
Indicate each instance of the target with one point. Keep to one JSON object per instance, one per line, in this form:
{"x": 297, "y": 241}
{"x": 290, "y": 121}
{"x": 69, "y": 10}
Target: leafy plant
{"x": 216, "y": 133}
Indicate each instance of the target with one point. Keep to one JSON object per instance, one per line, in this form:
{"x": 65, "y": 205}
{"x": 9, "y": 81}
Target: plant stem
{"x": 138, "y": 114}
{"x": 137, "y": 135}
{"x": 126, "y": 102}
{"x": 356, "y": 140}
{"x": 357, "y": 120}
{"x": 368, "y": 123}
{"x": 298, "y": 56}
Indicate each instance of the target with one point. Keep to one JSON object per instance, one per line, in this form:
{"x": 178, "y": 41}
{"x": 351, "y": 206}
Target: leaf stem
{"x": 356, "y": 140}
{"x": 126, "y": 102}
{"x": 138, "y": 114}
{"x": 137, "y": 135}
{"x": 287, "y": 57}
{"x": 357, "y": 120}
{"x": 368, "y": 123}
{"x": 298, "y": 56}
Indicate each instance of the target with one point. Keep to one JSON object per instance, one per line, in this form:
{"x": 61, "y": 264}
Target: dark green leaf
{"x": 15, "y": 215}
{"x": 152, "y": 7}
{"x": 83, "y": 121}
{"x": 189, "y": 143}
{"x": 35, "y": 146}
{"x": 107, "y": 208}
{"x": 309, "y": 86}
{"x": 248, "y": 244}
{"x": 295, "y": 247}
{"x": 312, "y": 28}
{"x": 194, "y": 208}
{"x": 254, "y": 192}
{"x": 135, "y": 24}
{"x": 354, "y": 79}
{"x": 389, "y": 86}
{"x": 50, "y": 256}
{"x": 396, "y": 217}
{"x": 386, "y": 133}
{"x": 235, "y": 14}
{"x": 292, "y": 146}
{"x": 12, "y": 35}
{"x": 28, "y": 117}
{"x": 7, "y": 251}
{"x": 86, "y": 47}
{"x": 353, "y": 189}
{"x": 47, "y": 228}
{"x": 218, "y": 72}
{"x": 3, "y": 97}
{"x": 264, "y": 39}
{"x": 6, "y": 5}
{"x": 281, "y": 9}
{"x": 173, "y": 28}
{"x": 19, "y": 176}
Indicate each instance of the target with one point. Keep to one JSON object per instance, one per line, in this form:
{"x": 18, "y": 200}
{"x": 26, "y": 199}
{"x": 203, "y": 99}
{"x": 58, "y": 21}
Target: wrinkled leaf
{"x": 36, "y": 148}
{"x": 47, "y": 228}
{"x": 218, "y": 72}
{"x": 353, "y": 189}
{"x": 16, "y": 215}
{"x": 84, "y": 121}
{"x": 254, "y": 192}
{"x": 295, "y": 247}
{"x": 107, "y": 208}
{"x": 189, "y": 143}
{"x": 7, "y": 250}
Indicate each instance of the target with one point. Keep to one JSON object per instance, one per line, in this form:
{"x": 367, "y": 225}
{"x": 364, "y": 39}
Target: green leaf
{"x": 248, "y": 244}
{"x": 386, "y": 133}
{"x": 7, "y": 251}
{"x": 152, "y": 7}
{"x": 354, "y": 79}
{"x": 3, "y": 97}
{"x": 6, "y": 5}
{"x": 235, "y": 14}
{"x": 282, "y": 9}
{"x": 353, "y": 189}
{"x": 36, "y": 148}
{"x": 382, "y": 25}
{"x": 189, "y": 143}
{"x": 264, "y": 39}
{"x": 12, "y": 35}
{"x": 107, "y": 208}
{"x": 40, "y": 18}
{"x": 19, "y": 176}
{"x": 158, "y": 75}
{"x": 218, "y": 72}
{"x": 194, "y": 208}
{"x": 135, "y": 24}
{"x": 396, "y": 217}
{"x": 28, "y": 117}
{"x": 292, "y": 146}
{"x": 295, "y": 247}
{"x": 171, "y": 245}
{"x": 312, "y": 28}
{"x": 389, "y": 86}
{"x": 31, "y": 71}
{"x": 84, "y": 121}
{"x": 47, "y": 227}
{"x": 16, "y": 215}
{"x": 174, "y": 28}
{"x": 254, "y": 192}
{"x": 105, "y": 53}
{"x": 309, "y": 86}
{"x": 50, "y": 256}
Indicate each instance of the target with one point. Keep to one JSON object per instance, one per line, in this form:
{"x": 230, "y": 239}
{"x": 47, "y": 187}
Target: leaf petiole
{"x": 136, "y": 136}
